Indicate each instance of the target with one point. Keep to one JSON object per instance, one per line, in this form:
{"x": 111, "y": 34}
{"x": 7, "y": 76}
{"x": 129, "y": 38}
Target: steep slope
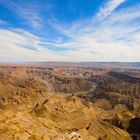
{"x": 55, "y": 119}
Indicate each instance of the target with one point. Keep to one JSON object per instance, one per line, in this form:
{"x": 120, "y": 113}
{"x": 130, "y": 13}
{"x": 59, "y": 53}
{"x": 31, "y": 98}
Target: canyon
{"x": 70, "y": 101}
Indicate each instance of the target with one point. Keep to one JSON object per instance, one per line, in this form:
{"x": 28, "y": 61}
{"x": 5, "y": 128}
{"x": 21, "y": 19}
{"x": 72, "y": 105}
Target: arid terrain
{"x": 70, "y": 101}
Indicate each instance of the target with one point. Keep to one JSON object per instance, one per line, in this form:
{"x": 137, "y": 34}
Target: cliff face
{"x": 57, "y": 80}
{"x": 118, "y": 89}
{"x": 70, "y": 84}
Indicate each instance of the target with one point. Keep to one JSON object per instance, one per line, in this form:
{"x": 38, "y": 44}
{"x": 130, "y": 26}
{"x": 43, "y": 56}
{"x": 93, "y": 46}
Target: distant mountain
{"x": 90, "y": 64}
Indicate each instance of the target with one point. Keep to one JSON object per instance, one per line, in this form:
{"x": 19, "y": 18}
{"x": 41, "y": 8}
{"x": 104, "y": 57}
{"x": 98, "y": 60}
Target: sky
{"x": 69, "y": 30}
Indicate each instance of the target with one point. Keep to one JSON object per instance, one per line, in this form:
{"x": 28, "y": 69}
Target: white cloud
{"x": 108, "y": 8}
{"x": 113, "y": 39}
{"x": 30, "y": 13}
{"x": 90, "y": 50}
{"x": 20, "y": 46}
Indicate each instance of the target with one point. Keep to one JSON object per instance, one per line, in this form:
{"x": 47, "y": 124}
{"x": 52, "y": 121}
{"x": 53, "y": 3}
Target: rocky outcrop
{"x": 57, "y": 119}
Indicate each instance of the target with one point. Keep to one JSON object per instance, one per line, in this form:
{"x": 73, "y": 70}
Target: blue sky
{"x": 69, "y": 30}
